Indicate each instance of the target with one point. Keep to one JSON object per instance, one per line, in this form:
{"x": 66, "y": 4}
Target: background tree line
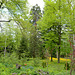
{"x": 34, "y": 34}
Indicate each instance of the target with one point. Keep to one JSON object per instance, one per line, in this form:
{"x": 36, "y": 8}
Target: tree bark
{"x": 59, "y": 32}
{"x": 5, "y": 21}
{"x": 51, "y": 57}
{"x": 57, "y": 54}
{"x": 51, "y": 53}
{"x": 59, "y": 28}
{"x": 5, "y": 48}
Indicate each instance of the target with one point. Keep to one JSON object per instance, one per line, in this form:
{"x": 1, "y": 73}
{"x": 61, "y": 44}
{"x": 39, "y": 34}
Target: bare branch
{"x": 5, "y": 21}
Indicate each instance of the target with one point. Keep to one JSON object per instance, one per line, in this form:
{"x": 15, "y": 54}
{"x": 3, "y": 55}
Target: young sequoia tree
{"x": 34, "y": 41}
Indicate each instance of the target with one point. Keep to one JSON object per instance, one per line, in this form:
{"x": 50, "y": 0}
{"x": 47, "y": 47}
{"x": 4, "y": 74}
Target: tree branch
{"x": 5, "y": 21}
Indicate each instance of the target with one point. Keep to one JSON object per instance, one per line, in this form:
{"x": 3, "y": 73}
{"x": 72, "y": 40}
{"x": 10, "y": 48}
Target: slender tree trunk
{"x": 5, "y": 48}
{"x": 59, "y": 32}
{"x": 51, "y": 53}
{"x": 59, "y": 28}
{"x": 51, "y": 57}
{"x": 57, "y": 54}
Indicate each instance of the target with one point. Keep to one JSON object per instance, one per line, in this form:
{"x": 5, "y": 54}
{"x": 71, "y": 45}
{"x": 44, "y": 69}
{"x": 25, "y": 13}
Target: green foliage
{"x": 54, "y": 68}
{"x": 44, "y": 64}
{"x": 9, "y": 59}
{"x": 34, "y": 43}
{"x": 36, "y": 13}
{"x": 34, "y": 40}
{"x": 67, "y": 67}
{"x": 52, "y": 73}
{"x": 20, "y": 39}
{"x": 36, "y": 62}
{"x": 55, "y": 23}
{"x": 23, "y": 49}
{"x": 22, "y": 72}
{"x": 8, "y": 65}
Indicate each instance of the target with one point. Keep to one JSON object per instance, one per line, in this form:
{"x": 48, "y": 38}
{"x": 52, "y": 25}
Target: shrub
{"x": 44, "y": 64}
{"x": 36, "y": 62}
{"x": 10, "y": 59}
{"x": 22, "y": 72}
{"x": 68, "y": 66}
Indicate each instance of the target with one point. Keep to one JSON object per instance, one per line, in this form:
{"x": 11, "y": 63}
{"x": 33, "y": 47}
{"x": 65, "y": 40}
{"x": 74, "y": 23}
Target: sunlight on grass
{"x": 61, "y": 59}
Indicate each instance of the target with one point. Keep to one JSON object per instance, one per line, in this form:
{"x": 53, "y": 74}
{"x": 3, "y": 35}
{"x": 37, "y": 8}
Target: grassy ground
{"x": 34, "y": 67}
{"x": 53, "y": 67}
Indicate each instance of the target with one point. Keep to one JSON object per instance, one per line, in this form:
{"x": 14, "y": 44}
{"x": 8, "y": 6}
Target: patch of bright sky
{"x": 4, "y": 12}
{"x": 31, "y": 3}
{"x": 34, "y": 2}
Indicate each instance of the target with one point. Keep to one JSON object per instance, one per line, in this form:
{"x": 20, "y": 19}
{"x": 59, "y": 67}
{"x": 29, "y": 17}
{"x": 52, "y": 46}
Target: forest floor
{"x": 31, "y": 66}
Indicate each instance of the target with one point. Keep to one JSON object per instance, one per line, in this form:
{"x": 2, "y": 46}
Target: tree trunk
{"x": 5, "y": 48}
{"x": 57, "y": 54}
{"x": 51, "y": 57}
{"x": 59, "y": 32}
{"x": 59, "y": 29}
{"x": 51, "y": 53}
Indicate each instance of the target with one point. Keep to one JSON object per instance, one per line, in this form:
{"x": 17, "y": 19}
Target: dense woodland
{"x": 28, "y": 35}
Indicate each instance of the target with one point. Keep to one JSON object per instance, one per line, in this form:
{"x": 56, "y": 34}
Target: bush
{"x": 44, "y": 64}
{"x": 52, "y": 73}
{"x": 14, "y": 70}
{"x": 22, "y": 72}
{"x": 10, "y": 59}
{"x": 36, "y": 62}
{"x": 68, "y": 66}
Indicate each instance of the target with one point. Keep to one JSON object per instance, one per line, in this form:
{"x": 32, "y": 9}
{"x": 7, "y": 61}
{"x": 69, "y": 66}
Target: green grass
{"x": 54, "y": 68}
